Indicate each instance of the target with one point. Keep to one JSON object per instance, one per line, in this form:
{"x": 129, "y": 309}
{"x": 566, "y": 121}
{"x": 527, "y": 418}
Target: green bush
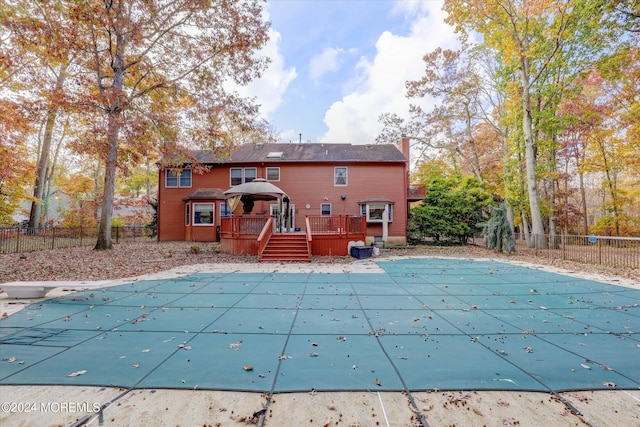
{"x": 451, "y": 210}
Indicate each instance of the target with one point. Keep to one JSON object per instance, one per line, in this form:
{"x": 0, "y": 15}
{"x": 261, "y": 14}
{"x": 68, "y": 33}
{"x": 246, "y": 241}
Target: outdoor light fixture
{"x": 343, "y": 197}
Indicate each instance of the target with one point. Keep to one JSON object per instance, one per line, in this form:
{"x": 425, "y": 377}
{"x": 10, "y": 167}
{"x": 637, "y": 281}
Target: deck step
{"x": 286, "y": 248}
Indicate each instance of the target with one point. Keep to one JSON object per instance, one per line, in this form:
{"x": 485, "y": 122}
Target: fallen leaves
{"x": 77, "y": 373}
{"x": 83, "y": 263}
{"x": 235, "y": 345}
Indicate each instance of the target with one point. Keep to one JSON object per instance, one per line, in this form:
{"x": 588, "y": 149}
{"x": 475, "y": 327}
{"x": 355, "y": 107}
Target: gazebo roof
{"x": 206, "y": 194}
{"x": 258, "y": 189}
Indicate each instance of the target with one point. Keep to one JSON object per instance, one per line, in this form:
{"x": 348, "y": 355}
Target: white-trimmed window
{"x": 187, "y": 214}
{"x": 203, "y": 214}
{"x": 250, "y": 174}
{"x": 177, "y": 178}
{"x": 325, "y": 209}
{"x": 235, "y": 176}
{"x": 239, "y": 176}
{"x": 374, "y": 211}
{"x": 273, "y": 174}
{"x": 340, "y": 176}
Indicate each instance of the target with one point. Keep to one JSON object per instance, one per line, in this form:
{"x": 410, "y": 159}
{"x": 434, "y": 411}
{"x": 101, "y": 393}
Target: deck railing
{"x": 235, "y": 225}
{"x": 337, "y": 224}
{"x": 265, "y": 235}
{"x": 608, "y": 251}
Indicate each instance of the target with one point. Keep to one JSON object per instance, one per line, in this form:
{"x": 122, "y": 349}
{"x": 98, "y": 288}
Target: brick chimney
{"x": 403, "y": 146}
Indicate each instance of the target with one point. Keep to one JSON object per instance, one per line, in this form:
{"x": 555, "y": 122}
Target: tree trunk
{"x": 104, "y": 234}
{"x": 43, "y": 159}
{"x": 116, "y": 100}
{"x": 583, "y": 198}
{"x": 537, "y": 226}
{"x": 526, "y": 232}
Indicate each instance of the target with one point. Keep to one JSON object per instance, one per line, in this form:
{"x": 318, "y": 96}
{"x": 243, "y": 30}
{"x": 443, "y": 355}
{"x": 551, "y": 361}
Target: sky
{"x": 336, "y": 65}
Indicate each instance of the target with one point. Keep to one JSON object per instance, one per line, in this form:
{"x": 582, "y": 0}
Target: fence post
{"x": 53, "y": 238}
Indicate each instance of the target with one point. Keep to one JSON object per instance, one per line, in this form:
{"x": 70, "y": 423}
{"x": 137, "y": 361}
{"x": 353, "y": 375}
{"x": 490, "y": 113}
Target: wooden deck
{"x": 327, "y": 235}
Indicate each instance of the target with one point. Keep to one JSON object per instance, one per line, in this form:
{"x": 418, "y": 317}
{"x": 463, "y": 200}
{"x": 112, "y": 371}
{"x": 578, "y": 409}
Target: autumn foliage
{"x": 544, "y": 108}
{"x": 125, "y": 83}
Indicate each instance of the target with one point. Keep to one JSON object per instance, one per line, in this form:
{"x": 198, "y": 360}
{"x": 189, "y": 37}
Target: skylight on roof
{"x": 274, "y": 155}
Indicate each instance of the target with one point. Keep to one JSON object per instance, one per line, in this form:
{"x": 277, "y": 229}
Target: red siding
{"x": 307, "y": 184}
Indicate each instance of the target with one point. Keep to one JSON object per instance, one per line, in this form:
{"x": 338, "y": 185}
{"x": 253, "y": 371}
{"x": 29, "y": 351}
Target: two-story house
{"x": 319, "y": 180}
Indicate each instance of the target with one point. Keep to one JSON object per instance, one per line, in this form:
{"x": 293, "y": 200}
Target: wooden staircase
{"x": 288, "y": 247}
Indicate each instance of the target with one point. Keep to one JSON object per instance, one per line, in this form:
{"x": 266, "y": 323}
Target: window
{"x": 177, "y": 178}
{"x": 273, "y": 174}
{"x": 325, "y": 209}
{"x": 250, "y": 174}
{"x": 185, "y": 178}
{"x": 236, "y": 176}
{"x": 187, "y": 214}
{"x": 224, "y": 209}
{"x": 239, "y": 175}
{"x": 340, "y": 176}
{"x": 374, "y": 211}
{"x": 203, "y": 214}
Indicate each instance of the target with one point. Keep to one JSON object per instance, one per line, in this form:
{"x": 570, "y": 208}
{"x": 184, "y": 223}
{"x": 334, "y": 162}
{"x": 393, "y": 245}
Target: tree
{"x": 536, "y": 38}
{"x": 498, "y": 231}
{"x": 153, "y": 76}
{"x": 16, "y": 170}
{"x": 451, "y": 210}
{"x": 452, "y": 79}
{"x": 44, "y": 38}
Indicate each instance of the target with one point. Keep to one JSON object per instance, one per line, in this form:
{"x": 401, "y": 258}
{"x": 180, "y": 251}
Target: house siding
{"x": 307, "y": 183}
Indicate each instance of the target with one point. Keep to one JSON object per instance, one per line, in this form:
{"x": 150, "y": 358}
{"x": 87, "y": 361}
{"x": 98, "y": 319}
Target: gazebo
{"x": 256, "y": 234}
{"x": 257, "y": 190}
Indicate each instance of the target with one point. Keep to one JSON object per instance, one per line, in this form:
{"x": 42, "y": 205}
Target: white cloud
{"x": 379, "y": 85}
{"x": 271, "y": 86}
{"x": 325, "y": 62}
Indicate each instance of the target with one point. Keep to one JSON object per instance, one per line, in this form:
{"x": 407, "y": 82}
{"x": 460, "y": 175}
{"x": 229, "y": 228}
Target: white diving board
{"x": 19, "y": 290}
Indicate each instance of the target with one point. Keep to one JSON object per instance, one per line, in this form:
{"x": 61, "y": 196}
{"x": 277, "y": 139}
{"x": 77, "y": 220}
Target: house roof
{"x": 277, "y": 153}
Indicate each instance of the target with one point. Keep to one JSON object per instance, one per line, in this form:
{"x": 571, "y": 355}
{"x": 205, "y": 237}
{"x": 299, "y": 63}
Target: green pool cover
{"x": 423, "y": 324}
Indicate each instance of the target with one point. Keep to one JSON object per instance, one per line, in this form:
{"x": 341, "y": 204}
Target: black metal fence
{"x": 616, "y": 252}
{"x": 17, "y": 239}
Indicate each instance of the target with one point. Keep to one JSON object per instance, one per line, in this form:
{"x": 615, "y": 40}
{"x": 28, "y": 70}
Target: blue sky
{"x": 337, "y": 64}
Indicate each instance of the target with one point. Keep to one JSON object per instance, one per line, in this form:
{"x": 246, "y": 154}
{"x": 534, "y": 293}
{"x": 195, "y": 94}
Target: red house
{"x": 327, "y": 195}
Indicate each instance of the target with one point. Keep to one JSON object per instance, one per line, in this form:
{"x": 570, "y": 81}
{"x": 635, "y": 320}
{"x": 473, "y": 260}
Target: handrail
{"x": 308, "y": 229}
{"x": 309, "y": 237}
{"x": 265, "y": 235}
